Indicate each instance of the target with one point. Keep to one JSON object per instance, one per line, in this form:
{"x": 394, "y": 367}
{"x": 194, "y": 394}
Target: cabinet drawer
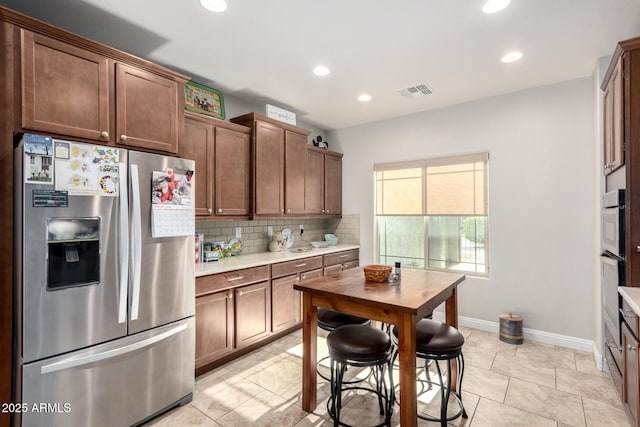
{"x": 292, "y": 267}
{"x": 308, "y": 275}
{"x": 230, "y": 279}
{"x": 630, "y": 317}
{"x": 341, "y": 257}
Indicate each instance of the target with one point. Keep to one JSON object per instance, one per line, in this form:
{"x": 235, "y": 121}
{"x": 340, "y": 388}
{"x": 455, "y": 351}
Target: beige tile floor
{"x": 504, "y": 385}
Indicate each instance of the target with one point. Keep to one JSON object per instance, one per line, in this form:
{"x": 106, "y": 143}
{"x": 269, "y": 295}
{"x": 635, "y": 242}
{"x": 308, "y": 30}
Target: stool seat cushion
{"x": 358, "y": 343}
{"x": 436, "y": 337}
{"x": 330, "y": 319}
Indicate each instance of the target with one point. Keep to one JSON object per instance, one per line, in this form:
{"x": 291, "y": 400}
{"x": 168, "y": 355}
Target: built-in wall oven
{"x": 613, "y": 266}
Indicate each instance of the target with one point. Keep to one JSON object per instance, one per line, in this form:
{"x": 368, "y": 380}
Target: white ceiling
{"x": 264, "y": 50}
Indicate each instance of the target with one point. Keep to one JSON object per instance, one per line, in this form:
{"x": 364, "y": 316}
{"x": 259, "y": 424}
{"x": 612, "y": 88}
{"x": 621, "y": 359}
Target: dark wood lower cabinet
{"x": 340, "y": 261}
{"x": 631, "y": 369}
{"x": 214, "y": 326}
{"x": 253, "y": 313}
{"x": 286, "y": 301}
{"x": 240, "y": 310}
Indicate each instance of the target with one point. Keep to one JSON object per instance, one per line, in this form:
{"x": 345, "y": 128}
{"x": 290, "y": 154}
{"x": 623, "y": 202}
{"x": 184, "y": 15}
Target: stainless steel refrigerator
{"x": 105, "y": 283}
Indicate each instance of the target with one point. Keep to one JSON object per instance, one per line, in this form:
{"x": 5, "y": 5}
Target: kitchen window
{"x": 433, "y": 213}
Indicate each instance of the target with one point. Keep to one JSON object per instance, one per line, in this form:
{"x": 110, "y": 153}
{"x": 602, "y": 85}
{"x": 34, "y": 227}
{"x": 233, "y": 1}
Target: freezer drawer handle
{"x": 75, "y": 362}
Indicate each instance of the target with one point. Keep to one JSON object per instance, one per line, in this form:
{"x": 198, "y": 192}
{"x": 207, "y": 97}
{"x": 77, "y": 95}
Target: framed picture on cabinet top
{"x": 203, "y": 100}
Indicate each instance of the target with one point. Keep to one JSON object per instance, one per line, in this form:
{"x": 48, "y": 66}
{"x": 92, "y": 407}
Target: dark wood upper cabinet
{"x": 198, "y": 145}
{"x": 295, "y": 161}
{"x": 75, "y": 88}
{"x": 614, "y": 120}
{"x": 333, "y": 184}
{"x": 232, "y": 172}
{"x": 314, "y": 183}
{"x": 148, "y": 109}
{"x": 278, "y": 165}
{"x": 221, "y": 151}
{"x": 323, "y": 182}
{"x": 65, "y": 89}
{"x": 268, "y": 169}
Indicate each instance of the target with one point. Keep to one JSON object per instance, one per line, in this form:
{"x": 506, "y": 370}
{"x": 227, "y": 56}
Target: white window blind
{"x": 443, "y": 186}
{"x": 433, "y": 213}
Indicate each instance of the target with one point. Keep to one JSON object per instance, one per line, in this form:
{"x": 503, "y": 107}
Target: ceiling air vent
{"x": 416, "y": 91}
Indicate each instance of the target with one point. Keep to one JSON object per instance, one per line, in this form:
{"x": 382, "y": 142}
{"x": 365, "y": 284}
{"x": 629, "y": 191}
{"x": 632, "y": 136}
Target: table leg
{"x": 407, "y": 363}
{"x": 309, "y": 354}
{"x": 451, "y": 309}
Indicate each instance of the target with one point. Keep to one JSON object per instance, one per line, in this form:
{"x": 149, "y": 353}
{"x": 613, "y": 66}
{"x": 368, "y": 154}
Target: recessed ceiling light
{"x": 364, "y": 97}
{"x": 321, "y": 70}
{"x": 214, "y": 5}
{"x": 493, "y": 6}
{"x": 511, "y": 57}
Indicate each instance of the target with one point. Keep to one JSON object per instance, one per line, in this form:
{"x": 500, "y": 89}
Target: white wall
{"x": 542, "y": 200}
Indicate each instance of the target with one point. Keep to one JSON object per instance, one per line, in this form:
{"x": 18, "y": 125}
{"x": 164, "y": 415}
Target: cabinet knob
{"x": 230, "y": 295}
{"x": 123, "y": 137}
{"x": 288, "y": 210}
{"x": 209, "y": 210}
{"x": 322, "y": 211}
{"x": 304, "y": 277}
{"x": 282, "y": 210}
{"x": 219, "y": 210}
{"x": 327, "y": 211}
{"x": 638, "y": 249}
{"x": 631, "y": 347}
{"x": 104, "y": 134}
{"x": 239, "y": 293}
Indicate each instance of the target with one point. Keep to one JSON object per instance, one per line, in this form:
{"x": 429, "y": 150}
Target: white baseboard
{"x": 532, "y": 335}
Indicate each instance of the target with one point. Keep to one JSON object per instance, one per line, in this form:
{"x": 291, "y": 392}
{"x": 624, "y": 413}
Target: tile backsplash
{"x": 255, "y": 237}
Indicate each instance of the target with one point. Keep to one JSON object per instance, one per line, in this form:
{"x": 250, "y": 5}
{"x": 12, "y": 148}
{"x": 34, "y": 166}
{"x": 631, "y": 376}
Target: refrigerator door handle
{"x": 80, "y": 361}
{"x": 124, "y": 243}
{"x": 137, "y": 241}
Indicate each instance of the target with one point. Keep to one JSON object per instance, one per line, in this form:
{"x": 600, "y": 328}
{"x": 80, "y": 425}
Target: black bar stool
{"x": 329, "y": 320}
{"x": 436, "y": 341}
{"x": 360, "y": 346}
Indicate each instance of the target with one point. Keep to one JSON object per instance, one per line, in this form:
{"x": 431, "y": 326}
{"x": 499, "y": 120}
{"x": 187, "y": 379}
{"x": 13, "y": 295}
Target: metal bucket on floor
{"x": 511, "y": 328}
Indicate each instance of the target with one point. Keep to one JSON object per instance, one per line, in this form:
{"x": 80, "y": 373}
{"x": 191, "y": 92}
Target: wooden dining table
{"x": 403, "y": 304}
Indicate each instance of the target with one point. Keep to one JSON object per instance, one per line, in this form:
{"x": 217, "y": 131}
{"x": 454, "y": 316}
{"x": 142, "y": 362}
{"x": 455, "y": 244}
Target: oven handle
{"x": 628, "y": 314}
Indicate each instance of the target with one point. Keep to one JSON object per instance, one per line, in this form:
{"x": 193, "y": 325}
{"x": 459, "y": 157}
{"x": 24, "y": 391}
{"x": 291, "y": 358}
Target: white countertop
{"x": 263, "y": 258}
{"x": 631, "y": 296}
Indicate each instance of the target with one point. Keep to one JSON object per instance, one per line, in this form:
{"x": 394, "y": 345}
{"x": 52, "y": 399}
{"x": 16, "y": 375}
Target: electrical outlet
{"x": 270, "y": 230}
{"x": 238, "y": 232}
{"x": 301, "y": 227}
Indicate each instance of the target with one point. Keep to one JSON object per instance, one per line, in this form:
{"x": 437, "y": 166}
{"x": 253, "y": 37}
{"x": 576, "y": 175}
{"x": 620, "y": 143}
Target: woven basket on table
{"x": 377, "y": 273}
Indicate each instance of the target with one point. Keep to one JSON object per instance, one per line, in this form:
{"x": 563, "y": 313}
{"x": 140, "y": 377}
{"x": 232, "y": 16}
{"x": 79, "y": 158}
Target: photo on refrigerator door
{"x": 38, "y": 155}
{"x": 169, "y": 188}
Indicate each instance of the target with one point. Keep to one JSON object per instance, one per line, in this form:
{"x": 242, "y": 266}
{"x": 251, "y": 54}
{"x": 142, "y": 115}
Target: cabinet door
{"x": 232, "y": 172}
{"x": 314, "y": 183}
{"x": 286, "y": 303}
{"x": 253, "y": 313}
{"x": 295, "y": 160}
{"x": 198, "y": 145}
{"x": 614, "y": 121}
{"x": 269, "y": 169}
{"x": 65, "y": 89}
{"x": 214, "y": 326}
{"x": 630, "y": 391}
{"x": 147, "y": 110}
{"x": 332, "y": 185}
